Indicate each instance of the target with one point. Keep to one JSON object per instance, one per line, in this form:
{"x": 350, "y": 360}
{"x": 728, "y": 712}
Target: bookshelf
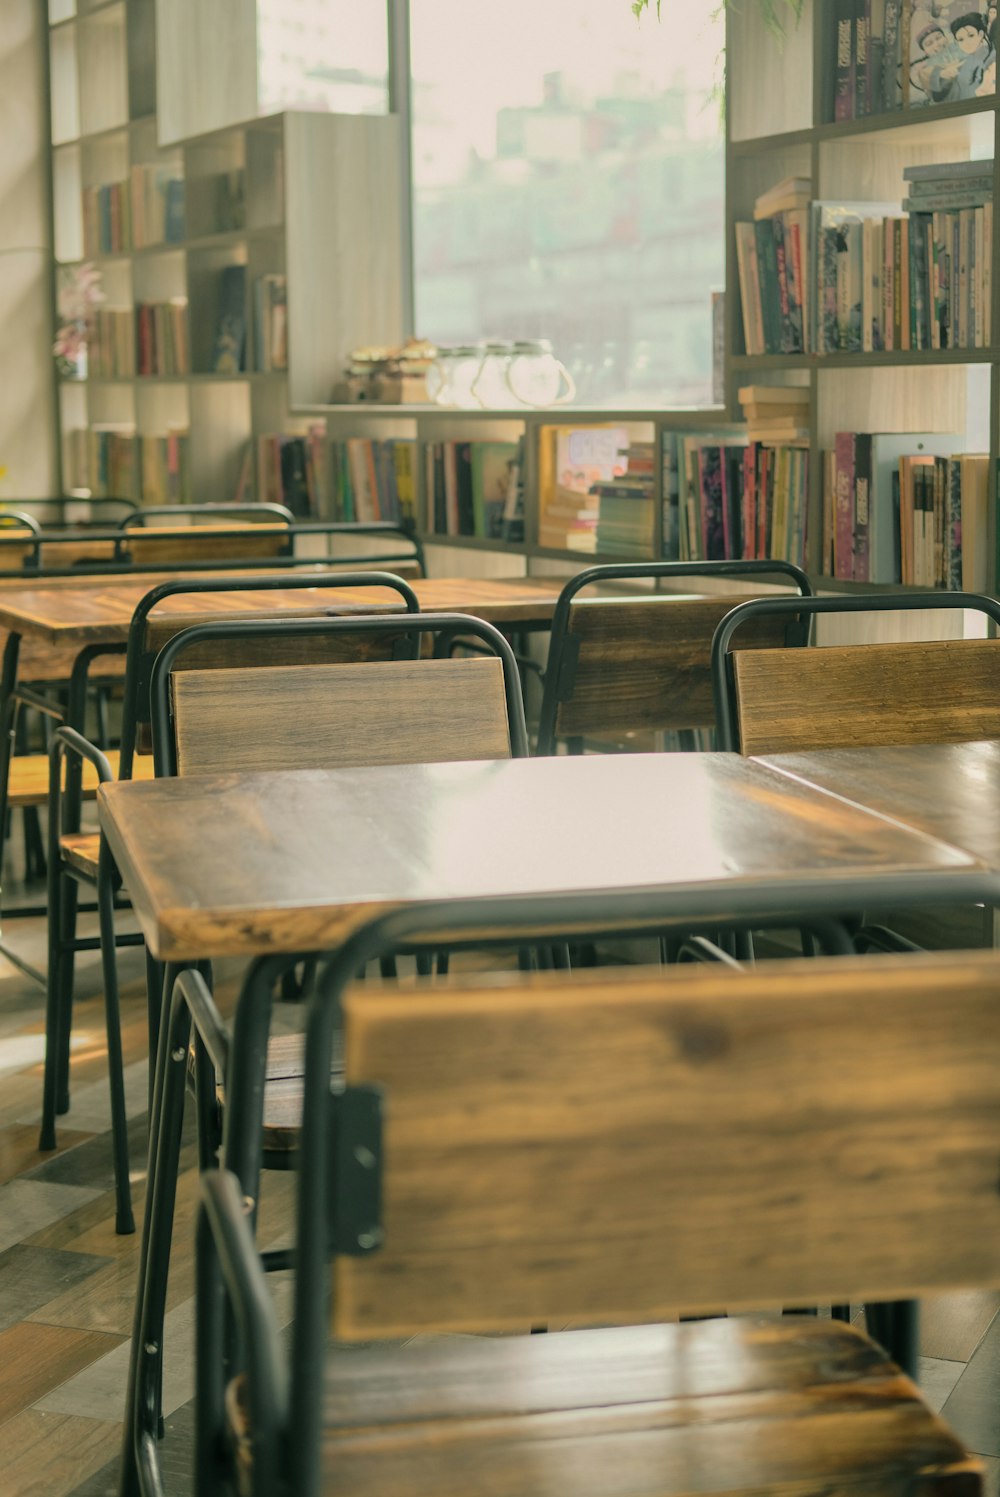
{"x": 182, "y": 231}
{"x": 776, "y": 131}
{"x": 533, "y": 433}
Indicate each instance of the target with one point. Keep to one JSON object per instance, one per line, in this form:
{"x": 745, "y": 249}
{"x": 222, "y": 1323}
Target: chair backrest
{"x": 640, "y": 663}
{"x": 311, "y": 716}
{"x": 225, "y": 541}
{"x": 605, "y": 1148}
{"x": 185, "y": 515}
{"x": 855, "y": 696}
{"x": 210, "y": 597}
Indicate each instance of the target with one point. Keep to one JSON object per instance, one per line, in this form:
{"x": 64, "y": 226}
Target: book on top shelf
{"x": 908, "y": 54}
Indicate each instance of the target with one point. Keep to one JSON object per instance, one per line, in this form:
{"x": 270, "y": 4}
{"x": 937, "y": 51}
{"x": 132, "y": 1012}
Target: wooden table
{"x": 949, "y": 791}
{"x": 293, "y": 861}
{"x": 287, "y": 861}
{"x": 98, "y": 611}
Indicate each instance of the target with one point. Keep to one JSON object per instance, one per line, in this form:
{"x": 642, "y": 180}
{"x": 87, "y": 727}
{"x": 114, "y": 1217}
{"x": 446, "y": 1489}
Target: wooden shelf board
{"x": 906, "y": 120}
{"x": 904, "y": 359}
{"x": 757, "y": 145}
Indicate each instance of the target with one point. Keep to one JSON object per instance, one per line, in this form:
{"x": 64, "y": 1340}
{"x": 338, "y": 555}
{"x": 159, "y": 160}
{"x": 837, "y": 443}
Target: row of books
{"x": 864, "y": 277}
{"x": 374, "y": 479}
{"x": 111, "y": 345}
{"x": 151, "y": 339}
{"x": 145, "y": 208}
{"x": 291, "y": 470}
{"x": 902, "y": 54}
{"x": 904, "y": 508}
{"x": 729, "y": 499}
{"x": 270, "y": 323}
{"x": 162, "y": 337}
{"x": 472, "y": 487}
{"x": 113, "y": 461}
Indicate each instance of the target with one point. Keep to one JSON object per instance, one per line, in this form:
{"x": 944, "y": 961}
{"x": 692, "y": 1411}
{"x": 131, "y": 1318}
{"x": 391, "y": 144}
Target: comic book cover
{"x": 952, "y": 52}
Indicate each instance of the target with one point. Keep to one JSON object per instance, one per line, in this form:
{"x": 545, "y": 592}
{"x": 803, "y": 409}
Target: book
{"x": 949, "y": 171}
{"x": 491, "y": 475}
{"x": 844, "y": 55}
{"x": 229, "y": 351}
{"x": 951, "y": 56}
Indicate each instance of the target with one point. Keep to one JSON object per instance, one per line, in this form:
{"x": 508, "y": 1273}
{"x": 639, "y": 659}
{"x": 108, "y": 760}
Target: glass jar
{"x": 438, "y": 377}
{"x": 491, "y": 389}
{"x": 464, "y": 367}
{"x": 536, "y": 377}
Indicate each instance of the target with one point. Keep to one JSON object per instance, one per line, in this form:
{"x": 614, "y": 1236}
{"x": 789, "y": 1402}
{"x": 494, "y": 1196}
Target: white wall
{"x": 27, "y": 415}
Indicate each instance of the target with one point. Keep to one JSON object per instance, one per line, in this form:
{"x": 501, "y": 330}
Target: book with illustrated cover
{"x": 951, "y": 54}
{"x": 229, "y": 352}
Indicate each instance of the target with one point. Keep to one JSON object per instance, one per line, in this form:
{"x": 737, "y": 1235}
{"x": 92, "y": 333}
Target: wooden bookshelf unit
{"x": 780, "y": 123}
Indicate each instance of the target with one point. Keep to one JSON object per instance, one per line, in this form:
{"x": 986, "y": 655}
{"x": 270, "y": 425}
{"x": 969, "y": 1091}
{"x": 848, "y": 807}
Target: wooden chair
{"x": 640, "y": 663}
{"x": 780, "y": 700}
{"x": 77, "y": 856}
{"x": 602, "y": 1149}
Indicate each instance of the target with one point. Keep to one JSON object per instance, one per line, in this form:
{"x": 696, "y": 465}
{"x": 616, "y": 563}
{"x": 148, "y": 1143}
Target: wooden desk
{"x": 950, "y": 791}
{"x": 287, "y": 861}
{"x": 97, "y": 611}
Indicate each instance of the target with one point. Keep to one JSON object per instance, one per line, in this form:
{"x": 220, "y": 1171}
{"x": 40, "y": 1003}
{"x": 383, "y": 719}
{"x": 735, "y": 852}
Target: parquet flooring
{"x": 66, "y": 1279}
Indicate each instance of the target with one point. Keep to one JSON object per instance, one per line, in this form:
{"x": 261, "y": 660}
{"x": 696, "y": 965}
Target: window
{"x": 314, "y": 54}
{"x": 568, "y": 184}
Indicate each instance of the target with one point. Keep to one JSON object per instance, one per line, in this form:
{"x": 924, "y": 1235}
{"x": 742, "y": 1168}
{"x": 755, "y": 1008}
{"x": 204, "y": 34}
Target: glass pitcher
{"x": 536, "y": 377}
{"x": 464, "y": 368}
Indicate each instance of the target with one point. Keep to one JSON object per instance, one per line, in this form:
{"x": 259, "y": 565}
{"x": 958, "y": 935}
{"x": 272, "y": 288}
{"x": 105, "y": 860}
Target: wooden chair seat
{"x": 29, "y": 777}
{"x": 81, "y": 850}
{"x": 740, "y": 1405}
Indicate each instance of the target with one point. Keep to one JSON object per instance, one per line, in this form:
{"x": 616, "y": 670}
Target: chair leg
{"x": 124, "y": 1219}
{"x": 56, "y": 881}
{"x": 65, "y": 976}
{"x": 142, "y": 1402}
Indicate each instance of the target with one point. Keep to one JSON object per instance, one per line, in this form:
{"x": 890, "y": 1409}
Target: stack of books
{"x": 905, "y": 508}
{"x": 948, "y": 184}
{"x": 776, "y": 415}
{"x": 625, "y": 505}
{"x": 572, "y": 460}
{"x": 111, "y": 461}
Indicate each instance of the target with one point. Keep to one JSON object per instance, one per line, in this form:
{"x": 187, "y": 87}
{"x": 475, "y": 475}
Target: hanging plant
{"x": 774, "y": 13}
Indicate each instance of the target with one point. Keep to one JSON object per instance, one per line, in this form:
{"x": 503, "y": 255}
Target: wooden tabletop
{"x": 248, "y": 863}
{"x": 99, "y": 610}
{"x": 950, "y": 791}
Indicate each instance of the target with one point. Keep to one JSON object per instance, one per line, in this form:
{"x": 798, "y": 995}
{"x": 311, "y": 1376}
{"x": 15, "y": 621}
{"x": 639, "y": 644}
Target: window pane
{"x": 568, "y": 184}
{"x": 322, "y": 54}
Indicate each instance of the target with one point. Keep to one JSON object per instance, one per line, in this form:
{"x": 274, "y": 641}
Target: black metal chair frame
{"x": 68, "y": 750}
{"x": 264, "y": 512}
{"x": 14, "y": 695}
{"x": 802, "y": 611}
{"x": 560, "y": 669}
{"x": 285, "y": 1390}
{"x": 121, "y": 564}
{"x": 61, "y": 503}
